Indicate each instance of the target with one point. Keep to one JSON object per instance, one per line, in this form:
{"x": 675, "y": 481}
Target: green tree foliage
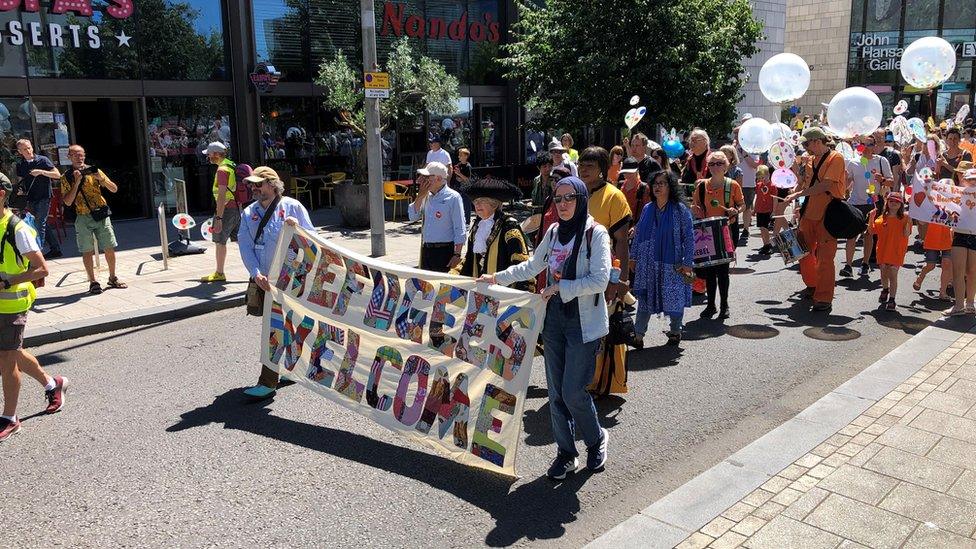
{"x": 578, "y": 62}
{"x": 418, "y": 84}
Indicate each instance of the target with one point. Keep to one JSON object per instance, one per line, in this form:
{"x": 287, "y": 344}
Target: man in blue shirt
{"x": 442, "y": 210}
{"x": 36, "y": 173}
{"x": 258, "y": 246}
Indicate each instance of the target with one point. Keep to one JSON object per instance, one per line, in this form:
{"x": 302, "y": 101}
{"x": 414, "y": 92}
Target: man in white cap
{"x": 442, "y": 211}
{"x": 560, "y": 157}
{"x": 228, "y": 214}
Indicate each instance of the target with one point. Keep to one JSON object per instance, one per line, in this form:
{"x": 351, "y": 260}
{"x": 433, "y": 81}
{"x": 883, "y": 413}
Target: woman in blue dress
{"x": 663, "y": 246}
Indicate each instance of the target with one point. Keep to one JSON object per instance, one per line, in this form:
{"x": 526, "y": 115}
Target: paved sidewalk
{"x": 65, "y": 310}
{"x": 900, "y": 472}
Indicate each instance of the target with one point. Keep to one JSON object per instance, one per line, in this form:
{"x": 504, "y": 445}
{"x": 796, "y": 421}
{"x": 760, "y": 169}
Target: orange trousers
{"x": 817, "y": 267}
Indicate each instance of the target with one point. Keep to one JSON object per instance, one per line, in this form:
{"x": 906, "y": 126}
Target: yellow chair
{"x": 329, "y": 185}
{"x": 299, "y": 187}
{"x": 396, "y": 193}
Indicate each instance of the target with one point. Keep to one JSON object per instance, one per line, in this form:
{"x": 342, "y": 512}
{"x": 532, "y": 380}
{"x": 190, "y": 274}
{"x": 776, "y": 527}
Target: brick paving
{"x": 902, "y": 474}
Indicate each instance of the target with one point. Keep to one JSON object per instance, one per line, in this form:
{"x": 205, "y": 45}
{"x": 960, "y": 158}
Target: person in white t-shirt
{"x": 437, "y": 154}
{"x": 873, "y": 170}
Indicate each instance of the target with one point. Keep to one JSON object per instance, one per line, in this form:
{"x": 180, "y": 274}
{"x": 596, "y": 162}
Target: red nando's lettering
{"x": 119, "y": 9}
{"x": 397, "y": 22}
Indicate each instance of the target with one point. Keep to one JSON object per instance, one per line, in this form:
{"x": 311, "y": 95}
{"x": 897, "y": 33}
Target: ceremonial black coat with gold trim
{"x": 506, "y": 246}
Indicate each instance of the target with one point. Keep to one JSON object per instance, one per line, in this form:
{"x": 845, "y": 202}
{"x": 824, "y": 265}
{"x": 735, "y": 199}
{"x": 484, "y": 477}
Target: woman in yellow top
{"x": 713, "y": 197}
{"x": 567, "y": 142}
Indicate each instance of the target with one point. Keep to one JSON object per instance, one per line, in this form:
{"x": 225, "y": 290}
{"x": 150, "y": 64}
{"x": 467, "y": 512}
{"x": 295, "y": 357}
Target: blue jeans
{"x": 642, "y": 320}
{"x": 570, "y": 364}
{"x": 40, "y": 208}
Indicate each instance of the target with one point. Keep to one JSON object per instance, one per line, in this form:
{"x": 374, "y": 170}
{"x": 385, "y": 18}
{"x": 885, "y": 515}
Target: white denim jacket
{"x": 592, "y": 277}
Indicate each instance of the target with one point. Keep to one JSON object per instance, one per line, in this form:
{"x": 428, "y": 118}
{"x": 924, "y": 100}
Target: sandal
{"x": 113, "y": 282}
{"x": 955, "y": 312}
{"x": 94, "y": 288}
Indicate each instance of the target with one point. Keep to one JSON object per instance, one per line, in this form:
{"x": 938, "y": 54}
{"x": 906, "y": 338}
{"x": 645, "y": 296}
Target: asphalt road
{"x": 157, "y": 447}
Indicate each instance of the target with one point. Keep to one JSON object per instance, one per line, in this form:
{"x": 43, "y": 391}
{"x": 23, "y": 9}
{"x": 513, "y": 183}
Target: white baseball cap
{"x": 216, "y": 147}
{"x": 434, "y": 168}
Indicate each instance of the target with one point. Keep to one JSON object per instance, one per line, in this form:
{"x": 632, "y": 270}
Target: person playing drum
{"x": 718, "y": 196}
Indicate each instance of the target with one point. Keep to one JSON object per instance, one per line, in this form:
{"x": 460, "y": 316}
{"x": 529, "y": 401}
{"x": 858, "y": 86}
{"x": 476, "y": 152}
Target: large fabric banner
{"x": 943, "y": 203}
{"x": 435, "y": 357}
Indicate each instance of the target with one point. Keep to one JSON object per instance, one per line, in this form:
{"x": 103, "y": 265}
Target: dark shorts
{"x": 764, "y": 220}
{"x": 936, "y": 256}
{"x": 968, "y": 241}
{"x": 749, "y": 194}
{"x": 231, "y": 220}
{"x": 12, "y": 331}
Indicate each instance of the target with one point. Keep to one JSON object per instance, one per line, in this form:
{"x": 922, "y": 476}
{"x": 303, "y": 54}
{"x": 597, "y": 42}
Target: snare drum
{"x": 790, "y": 244}
{"x": 713, "y": 242}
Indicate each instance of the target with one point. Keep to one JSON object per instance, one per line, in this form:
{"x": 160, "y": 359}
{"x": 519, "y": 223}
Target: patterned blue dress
{"x": 657, "y": 286}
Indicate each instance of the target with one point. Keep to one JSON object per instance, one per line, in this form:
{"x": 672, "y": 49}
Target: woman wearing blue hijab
{"x": 664, "y": 243}
{"x": 575, "y": 253}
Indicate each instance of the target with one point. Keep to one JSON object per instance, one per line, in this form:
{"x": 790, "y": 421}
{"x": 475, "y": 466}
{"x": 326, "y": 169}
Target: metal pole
{"x": 377, "y": 218}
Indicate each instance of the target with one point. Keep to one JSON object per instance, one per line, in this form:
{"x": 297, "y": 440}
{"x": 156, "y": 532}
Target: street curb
{"x": 671, "y": 519}
{"x": 108, "y": 323}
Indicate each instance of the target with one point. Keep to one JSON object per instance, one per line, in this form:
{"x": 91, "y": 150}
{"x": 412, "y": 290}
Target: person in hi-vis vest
{"x": 21, "y": 264}
{"x": 228, "y": 214}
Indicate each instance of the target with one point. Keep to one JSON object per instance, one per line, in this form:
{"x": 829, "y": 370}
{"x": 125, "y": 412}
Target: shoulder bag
{"x": 98, "y": 214}
{"x": 254, "y": 300}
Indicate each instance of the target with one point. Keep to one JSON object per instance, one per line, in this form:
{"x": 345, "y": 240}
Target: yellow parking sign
{"x": 377, "y": 81}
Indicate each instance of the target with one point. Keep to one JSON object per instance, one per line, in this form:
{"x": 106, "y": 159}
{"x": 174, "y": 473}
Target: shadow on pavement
{"x": 799, "y": 315}
{"x": 652, "y": 358}
{"x": 703, "y": 328}
{"x": 517, "y": 514}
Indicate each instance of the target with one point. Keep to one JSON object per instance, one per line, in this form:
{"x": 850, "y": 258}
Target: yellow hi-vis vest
{"x": 19, "y": 297}
{"x": 226, "y": 165}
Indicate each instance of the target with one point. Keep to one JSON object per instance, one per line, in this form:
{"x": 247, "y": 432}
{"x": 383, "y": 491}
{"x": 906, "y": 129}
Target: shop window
{"x": 180, "y": 128}
{"x": 882, "y": 15}
{"x": 182, "y": 40}
{"x": 280, "y": 35}
{"x": 857, "y": 16}
{"x": 15, "y": 123}
{"x": 337, "y": 25}
{"x": 71, "y": 45}
{"x": 11, "y": 57}
{"x": 299, "y": 137}
{"x": 958, "y": 14}
{"x": 921, "y": 14}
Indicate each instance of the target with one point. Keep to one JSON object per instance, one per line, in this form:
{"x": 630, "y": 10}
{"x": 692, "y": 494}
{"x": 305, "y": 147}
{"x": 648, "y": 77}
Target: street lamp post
{"x": 374, "y": 162}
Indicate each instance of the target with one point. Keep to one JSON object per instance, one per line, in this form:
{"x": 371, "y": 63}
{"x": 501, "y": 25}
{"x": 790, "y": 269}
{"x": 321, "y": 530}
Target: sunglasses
{"x": 567, "y": 197}
{"x": 715, "y": 164}
{"x": 659, "y": 184}
{"x": 259, "y": 184}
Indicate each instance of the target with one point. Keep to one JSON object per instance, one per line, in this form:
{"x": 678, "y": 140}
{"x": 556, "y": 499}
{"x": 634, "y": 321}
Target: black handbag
{"x": 98, "y": 214}
{"x": 622, "y": 329}
{"x": 842, "y": 220}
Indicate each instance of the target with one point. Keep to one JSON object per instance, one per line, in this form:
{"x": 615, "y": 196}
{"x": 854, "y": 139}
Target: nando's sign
{"x": 397, "y": 22}
{"x": 57, "y": 35}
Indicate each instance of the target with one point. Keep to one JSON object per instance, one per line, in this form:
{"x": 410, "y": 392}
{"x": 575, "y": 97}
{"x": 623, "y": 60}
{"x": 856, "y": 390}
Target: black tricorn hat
{"x": 491, "y": 187}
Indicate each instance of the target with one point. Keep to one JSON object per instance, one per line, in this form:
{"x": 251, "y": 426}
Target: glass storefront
{"x": 463, "y": 35}
{"x": 180, "y": 128}
{"x": 157, "y": 39}
{"x": 882, "y": 29}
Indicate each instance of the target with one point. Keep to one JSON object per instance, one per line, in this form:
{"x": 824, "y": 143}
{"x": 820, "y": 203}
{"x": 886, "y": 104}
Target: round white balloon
{"x": 854, "y": 111}
{"x": 928, "y": 62}
{"x": 785, "y": 77}
{"x": 756, "y": 135}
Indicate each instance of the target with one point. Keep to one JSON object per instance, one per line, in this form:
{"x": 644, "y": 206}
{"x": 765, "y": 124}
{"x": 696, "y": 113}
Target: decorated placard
{"x": 440, "y": 359}
{"x": 943, "y": 203}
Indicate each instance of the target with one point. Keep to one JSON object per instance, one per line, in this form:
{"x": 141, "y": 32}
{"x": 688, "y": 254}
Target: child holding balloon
{"x": 891, "y": 227}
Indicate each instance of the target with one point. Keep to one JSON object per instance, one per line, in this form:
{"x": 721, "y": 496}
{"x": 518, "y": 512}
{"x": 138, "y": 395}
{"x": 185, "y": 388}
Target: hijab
{"x": 575, "y": 226}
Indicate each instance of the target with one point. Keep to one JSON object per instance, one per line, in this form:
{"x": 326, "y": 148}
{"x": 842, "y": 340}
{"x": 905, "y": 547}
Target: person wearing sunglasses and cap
{"x": 442, "y": 211}
{"x": 824, "y": 180}
{"x": 261, "y": 223}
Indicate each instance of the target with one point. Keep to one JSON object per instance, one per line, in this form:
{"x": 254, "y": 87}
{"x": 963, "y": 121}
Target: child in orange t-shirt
{"x": 937, "y": 246}
{"x": 892, "y": 229}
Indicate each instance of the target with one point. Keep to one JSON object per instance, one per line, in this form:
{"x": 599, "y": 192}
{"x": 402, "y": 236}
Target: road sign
{"x": 377, "y": 94}
{"x": 377, "y": 81}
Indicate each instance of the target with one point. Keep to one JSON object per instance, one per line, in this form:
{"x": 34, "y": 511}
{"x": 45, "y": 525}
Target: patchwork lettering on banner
{"x": 320, "y": 320}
